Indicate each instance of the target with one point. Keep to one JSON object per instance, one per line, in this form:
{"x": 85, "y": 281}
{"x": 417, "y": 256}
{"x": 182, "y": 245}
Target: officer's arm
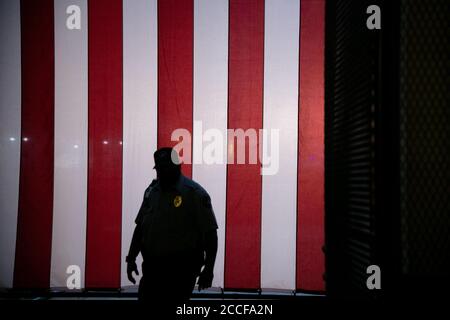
{"x": 135, "y": 246}
{"x": 132, "y": 254}
{"x": 208, "y": 225}
{"x": 210, "y": 240}
{"x": 210, "y": 248}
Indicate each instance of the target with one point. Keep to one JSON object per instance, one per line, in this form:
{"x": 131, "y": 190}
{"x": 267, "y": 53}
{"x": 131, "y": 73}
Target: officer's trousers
{"x": 168, "y": 279}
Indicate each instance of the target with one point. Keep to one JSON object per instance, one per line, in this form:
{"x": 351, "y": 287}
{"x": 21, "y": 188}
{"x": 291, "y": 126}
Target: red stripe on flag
{"x": 310, "y": 226}
{"x": 175, "y": 70}
{"x": 103, "y": 241}
{"x": 34, "y": 230}
{"x": 245, "y": 107}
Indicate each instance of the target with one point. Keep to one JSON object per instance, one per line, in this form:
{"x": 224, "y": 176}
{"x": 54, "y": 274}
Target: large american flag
{"x": 83, "y": 109}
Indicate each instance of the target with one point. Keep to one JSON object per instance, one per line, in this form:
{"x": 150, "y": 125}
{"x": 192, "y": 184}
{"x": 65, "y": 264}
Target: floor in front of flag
{"x": 130, "y": 293}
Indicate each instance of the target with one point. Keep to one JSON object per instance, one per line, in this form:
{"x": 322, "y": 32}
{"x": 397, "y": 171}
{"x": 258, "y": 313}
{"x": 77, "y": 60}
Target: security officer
{"x": 175, "y": 233}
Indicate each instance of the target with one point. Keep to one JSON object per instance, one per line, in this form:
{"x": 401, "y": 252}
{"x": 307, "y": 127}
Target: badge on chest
{"x": 177, "y": 201}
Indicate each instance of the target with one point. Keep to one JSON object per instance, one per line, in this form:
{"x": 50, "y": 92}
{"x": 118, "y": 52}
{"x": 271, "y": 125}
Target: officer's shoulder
{"x": 199, "y": 192}
{"x": 150, "y": 188}
{"x": 194, "y": 186}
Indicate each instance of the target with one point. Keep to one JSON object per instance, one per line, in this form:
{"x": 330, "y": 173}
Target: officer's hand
{"x": 205, "y": 279}
{"x": 132, "y": 267}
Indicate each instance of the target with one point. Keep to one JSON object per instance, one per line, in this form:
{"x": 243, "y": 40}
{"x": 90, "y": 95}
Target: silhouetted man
{"x": 175, "y": 233}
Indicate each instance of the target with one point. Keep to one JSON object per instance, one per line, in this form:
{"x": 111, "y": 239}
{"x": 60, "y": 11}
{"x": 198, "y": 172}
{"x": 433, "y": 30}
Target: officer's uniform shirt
{"x": 174, "y": 221}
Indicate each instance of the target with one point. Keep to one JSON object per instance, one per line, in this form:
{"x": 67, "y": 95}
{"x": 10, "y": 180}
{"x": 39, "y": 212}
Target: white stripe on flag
{"x": 10, "y": 115}
{"x": 210, "y": 107}
{"x": 71, "y": 115}
{"x": 279, "y": 191}
{"x": 139, "y": 112}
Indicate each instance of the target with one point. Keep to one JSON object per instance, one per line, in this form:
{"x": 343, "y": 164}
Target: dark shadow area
{"x": 387, "y": 145}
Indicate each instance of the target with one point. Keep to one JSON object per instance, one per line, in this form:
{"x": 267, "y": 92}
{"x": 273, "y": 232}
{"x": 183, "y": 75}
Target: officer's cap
{"x": 165, "y": 157}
